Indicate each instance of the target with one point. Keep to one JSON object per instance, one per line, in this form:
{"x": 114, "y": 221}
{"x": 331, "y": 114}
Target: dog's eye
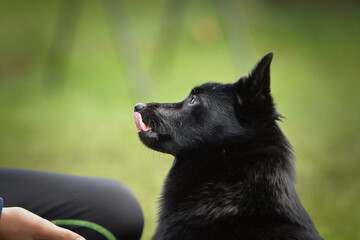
{"x": 192, "y": 101}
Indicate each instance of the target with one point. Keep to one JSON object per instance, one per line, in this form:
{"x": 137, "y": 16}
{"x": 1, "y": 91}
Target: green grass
{"x": 85, "y": 125}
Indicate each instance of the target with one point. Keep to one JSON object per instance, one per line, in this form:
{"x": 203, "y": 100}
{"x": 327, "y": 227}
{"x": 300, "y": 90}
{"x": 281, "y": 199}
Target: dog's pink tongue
{"x": 139, "y": 124}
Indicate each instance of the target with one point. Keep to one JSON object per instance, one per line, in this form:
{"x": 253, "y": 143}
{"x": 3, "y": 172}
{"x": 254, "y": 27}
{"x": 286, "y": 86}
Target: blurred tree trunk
{"x": 62, "y": 42}
{"x": 236, "y": 31}
{"x": 128, "y": 48}
{"x": 171, "y": 28}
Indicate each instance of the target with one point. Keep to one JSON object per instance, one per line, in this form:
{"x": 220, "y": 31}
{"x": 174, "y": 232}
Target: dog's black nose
{"x": 139, "y": 106}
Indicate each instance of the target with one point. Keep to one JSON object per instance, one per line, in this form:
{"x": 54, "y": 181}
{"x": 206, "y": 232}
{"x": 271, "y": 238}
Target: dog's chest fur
{"x": 220, "y": 194}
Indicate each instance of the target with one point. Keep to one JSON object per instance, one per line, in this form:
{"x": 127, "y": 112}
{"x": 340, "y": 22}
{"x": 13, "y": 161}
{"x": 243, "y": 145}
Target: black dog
{"x": 233, "y": 173}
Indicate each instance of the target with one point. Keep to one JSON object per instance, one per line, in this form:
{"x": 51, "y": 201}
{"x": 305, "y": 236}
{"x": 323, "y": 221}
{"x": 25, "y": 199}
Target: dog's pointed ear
{"x": 261, "y": 74}
{"x": 257, "y": 84}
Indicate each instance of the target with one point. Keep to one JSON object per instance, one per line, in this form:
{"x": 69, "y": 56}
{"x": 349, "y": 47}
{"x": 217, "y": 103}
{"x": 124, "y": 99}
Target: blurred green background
{"x": 71, "y": 72}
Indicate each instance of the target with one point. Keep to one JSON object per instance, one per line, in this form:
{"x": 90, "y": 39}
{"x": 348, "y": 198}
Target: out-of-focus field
{"x": 72, "y": 113}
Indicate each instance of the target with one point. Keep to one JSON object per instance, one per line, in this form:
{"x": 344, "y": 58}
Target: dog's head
{"x": 213, "y": 113}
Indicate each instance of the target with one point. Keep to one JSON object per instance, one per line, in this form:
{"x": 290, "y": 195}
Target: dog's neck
{"x": 217, "y": 186}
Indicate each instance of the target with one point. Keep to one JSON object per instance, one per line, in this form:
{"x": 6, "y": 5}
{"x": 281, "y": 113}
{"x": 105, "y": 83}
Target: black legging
{"x": 95, "y": 208}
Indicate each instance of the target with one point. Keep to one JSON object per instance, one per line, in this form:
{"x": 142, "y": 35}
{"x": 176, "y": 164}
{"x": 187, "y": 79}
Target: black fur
{"x": 233, "y": 174}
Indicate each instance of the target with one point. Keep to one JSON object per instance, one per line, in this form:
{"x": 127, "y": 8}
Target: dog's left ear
{"x": 257, "y": 84}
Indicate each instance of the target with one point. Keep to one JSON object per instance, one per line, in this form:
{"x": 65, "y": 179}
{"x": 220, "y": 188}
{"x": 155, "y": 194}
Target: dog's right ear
{"x": 257, "y": 84}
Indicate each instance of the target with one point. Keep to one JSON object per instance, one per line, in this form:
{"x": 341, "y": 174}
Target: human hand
{"x": 19, "y": 224}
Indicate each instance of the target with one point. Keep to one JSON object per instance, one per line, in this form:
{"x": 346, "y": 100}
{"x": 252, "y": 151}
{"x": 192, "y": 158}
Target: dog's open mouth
{"x": 142, "y": 127}
{"x": 139, "y": 124}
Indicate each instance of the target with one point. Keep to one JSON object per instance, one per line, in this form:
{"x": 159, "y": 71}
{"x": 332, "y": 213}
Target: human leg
{"x": 103, "y": 202}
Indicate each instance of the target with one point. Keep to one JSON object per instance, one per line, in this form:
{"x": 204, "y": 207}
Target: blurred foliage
{"x": 71, "y": 74}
